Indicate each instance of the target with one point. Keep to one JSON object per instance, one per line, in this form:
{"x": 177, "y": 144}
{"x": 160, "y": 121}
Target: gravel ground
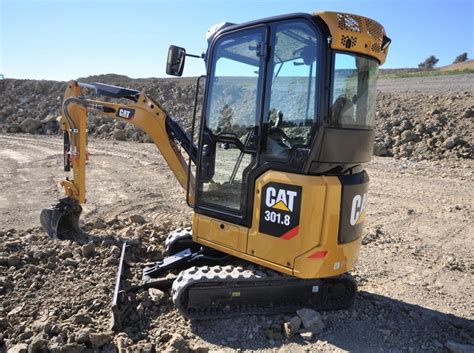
{"x": 415, "y": 272}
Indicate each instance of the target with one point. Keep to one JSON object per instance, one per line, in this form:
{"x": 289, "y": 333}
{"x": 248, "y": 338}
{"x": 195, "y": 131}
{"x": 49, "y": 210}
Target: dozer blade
{"x": 62, "y": 219}
{"x": 121, "y": 304}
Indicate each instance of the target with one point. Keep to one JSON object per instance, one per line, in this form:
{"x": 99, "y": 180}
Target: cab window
{"x": 354, "y": 91}
{"x": 229, "y": 136}
{"x": 292, "y": 72}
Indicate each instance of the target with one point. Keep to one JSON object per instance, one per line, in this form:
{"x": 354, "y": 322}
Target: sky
{"x": 62, "y": 40}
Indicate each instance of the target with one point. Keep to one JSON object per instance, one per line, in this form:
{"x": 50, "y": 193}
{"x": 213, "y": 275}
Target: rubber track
{"x": 234, "y": 277}
{"x": 180, "y": 233}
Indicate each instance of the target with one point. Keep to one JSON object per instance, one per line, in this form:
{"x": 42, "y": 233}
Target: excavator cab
{"x": 287, "y": 126}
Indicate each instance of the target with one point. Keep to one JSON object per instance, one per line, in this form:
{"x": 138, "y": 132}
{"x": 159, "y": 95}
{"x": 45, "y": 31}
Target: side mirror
{"x": 175, "y": 63}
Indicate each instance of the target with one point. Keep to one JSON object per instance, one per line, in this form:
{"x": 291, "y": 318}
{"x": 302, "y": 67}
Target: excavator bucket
{"x": 62, "y": 220}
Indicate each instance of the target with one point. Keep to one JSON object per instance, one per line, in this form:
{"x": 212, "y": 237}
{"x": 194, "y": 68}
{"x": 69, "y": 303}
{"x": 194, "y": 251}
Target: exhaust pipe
{"x": 62, "y": 219}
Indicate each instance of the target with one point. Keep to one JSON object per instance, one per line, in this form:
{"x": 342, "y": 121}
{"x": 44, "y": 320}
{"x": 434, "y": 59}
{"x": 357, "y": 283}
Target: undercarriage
{"x": 208, "y": 284}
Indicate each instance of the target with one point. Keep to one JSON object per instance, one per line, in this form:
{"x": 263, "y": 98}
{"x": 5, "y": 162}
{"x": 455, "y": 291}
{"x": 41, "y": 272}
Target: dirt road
{"x": 123, "y": 179}
{"x": 415, "y": 273}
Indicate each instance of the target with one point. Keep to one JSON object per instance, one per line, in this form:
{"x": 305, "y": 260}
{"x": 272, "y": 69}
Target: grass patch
{"x": 427, "y": 73}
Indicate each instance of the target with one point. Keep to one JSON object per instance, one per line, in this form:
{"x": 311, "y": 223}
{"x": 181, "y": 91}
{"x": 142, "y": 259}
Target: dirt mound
{"x": 31, "y": 106}
{"x": 409, "y": 124}
{"x": 38, "y": 273}
{"x": 421, "y": 126}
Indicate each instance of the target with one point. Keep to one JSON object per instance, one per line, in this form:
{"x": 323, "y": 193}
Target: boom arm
{"x": 144, "y": 112}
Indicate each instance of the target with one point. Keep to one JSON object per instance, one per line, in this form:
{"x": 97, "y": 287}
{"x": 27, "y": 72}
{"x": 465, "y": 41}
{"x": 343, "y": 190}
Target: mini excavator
{"x": 276, "y": 175}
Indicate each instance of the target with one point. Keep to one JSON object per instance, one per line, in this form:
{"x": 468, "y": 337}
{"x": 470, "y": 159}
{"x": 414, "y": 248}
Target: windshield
{"x": 354, "y": 92}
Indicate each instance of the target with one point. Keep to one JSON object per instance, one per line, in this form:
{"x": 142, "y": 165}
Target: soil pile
{"x": 425, "y": 126}
{"x": 410, "y": 125}
{"x": 31, "y": 106}
{"x": 56, "y": 297}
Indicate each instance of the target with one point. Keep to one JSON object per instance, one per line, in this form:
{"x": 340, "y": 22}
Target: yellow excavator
{"x": 279, "y": 191}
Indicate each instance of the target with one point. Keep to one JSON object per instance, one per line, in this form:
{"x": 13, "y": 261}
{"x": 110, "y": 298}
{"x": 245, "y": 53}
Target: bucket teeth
{"x": 62, "y": 219}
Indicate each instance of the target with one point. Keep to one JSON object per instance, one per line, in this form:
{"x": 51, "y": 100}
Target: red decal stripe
{"x": 318, "y": 254}
{"x": 291, "y": 233}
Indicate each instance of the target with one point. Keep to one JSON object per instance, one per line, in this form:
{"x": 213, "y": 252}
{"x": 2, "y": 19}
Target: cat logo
{"x": 359, "y": 203}
{"x": 280, "y": 208}
{"x": 283, "y": 200}
{"x": 125, "y": 113}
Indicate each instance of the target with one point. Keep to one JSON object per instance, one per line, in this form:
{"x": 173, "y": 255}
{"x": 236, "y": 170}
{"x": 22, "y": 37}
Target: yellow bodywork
{"x": 318, "y": 231}
{"x": 355, "y": 33}
{"x": 148, "y": 116}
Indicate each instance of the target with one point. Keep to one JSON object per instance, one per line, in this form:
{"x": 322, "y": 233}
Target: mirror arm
{"x": 195, "y": 56}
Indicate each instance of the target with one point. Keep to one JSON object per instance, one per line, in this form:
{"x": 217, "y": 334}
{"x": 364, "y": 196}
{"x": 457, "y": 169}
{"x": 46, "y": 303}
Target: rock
{"x": 178, "y": 343}
{"x": 65, "y": 254}
{"x": 102, "y": 130}
{"x": 99, "y": 339}
{"x": 4, "y": 323}
{"x": 50, "y": 118}
{"x": 13, "y": 260}
{"x": 119, "y": 135}
{"x": 82, "y": 319}
{"x": 47, "y": 328}
{"x": 468, "y": 113}
{"x": 380, "y": 149}
{"x": 459, "y": 347}
{"x": 311, "y": 319}
{"x": 121, "y": 343}
{"x": 136, "y": 218}
{"x": 30, "y": 125}
{"x": 14, "y": 128}
{"x": 70, "y": 262}
{"x": 15, "y": 311}
{"x": 451, "y": 142}
{"x": 156, "y": 295}
{"x": 72, "y": 348}
{"x": 142, "y": 348}
{"x": 99, "y": 223}
{"x": 408, "y": 135}
{"x": 292, "y": 326}
{"x": 199, "y": 347}
{"x": 3, "y": 261}
{"x": 83, "y": 336}
{"x": 25, "y": 335}
{"x": 55, "y": 330}
{"x": 37, "y": 345}
{"x": 88, "y": 249}
{"x": 5, "y": 283}
{"x": 18, "y": 348}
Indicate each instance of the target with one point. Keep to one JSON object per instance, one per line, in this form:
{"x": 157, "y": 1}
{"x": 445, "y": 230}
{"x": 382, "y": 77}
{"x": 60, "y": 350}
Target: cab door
{"x": 229, "y": 140}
